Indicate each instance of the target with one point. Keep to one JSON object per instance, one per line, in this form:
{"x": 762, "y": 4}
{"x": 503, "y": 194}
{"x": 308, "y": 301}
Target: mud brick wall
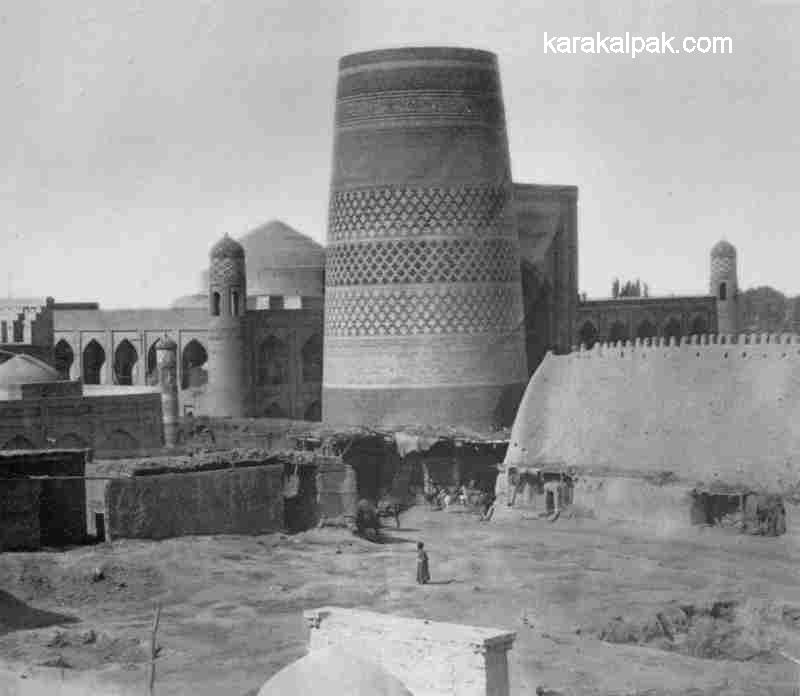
{"x": 702, "y": 411}
{"x": 337, "y": 489}
{"x": 431, "y": 659}
{"x": 19, "y": 514}
{"x": 228, "y": 501}
{"x": 59, "y": 507}
{"x": 620, "y": 498}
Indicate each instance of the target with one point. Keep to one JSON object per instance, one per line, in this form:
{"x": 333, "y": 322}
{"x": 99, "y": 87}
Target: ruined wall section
{"x": 718, "y": 408}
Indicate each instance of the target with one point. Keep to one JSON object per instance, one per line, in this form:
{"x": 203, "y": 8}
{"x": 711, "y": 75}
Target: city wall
{"x": 244, "y": 500}
{"x": 712, "y": 408}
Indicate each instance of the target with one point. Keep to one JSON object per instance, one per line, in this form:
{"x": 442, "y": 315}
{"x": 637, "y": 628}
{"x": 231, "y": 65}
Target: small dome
{"x": 333, "y": 672}
{"x": 227, "y": 248}
{"x": 280, "y": 261}
{"x": 723, "y": 248}
{"x": 24, "y": 369}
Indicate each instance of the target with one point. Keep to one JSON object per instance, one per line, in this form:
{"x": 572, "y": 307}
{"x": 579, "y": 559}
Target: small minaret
{"x": 227, "y": 303}
{"x": 725, "y": 286}
{"x": 167, "y": 362}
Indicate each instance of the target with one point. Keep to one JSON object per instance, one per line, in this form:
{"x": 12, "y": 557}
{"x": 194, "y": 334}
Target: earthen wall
{"x": 227, "y": 501}
{"x": 714, "y": 409}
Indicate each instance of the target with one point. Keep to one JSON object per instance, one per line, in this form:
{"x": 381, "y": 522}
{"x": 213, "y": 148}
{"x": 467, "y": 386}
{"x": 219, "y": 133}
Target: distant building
{"x": 40, "y": 409}
{"x": 673, "y": 316}
{"x": 279, "y": 319}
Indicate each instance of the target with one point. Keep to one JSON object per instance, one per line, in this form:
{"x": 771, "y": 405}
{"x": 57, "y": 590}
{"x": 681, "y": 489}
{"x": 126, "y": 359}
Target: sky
{"x": 133, "y": 134}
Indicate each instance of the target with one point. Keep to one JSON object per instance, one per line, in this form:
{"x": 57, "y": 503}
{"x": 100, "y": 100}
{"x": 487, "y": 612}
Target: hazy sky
{"x": 134, "y": 134}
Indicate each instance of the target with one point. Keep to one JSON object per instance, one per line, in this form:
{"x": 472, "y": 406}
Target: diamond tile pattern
{"x": 227, "y": 271}
{"x": 387, "y": 211}
{"x": 423, "y": 261}
{"x": 435, "y": 310}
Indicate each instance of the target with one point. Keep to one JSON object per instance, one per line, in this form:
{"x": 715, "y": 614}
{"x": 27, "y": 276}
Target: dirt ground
{"x": 598, "y": 607}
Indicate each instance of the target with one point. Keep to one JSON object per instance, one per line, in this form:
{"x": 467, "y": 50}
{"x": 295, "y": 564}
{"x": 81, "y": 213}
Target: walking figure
{"x": 423, "y": 572}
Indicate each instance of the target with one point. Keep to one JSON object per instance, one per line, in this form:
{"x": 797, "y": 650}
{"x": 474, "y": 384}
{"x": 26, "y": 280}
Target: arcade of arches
{"x": 609, "y": 321}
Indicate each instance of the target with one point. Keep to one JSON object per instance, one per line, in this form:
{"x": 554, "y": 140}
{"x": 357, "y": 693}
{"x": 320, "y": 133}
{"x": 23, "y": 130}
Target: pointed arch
{"x": 19, "y": 442}
{"x": 275, "y": 411}
{"x": 121, "y": 440}
{"x": 312, "y": 359}
{"x": 125, "y": 359}
{"x": 618, "y": 332}
{"x": 673, "y": 328}
{"x": 646, "y": 330}
{"x": 63, "y": 357}
{"x": 193, "y": 365}
{"x": 273, "y": 362}
{"x": 152, "y": 363}
{"x": 71, "y": 441}
{"x": 94, "y": 358}
{"x": 588, "y": 334}
{"x": 699, "y": 326}
{"x": 313, "y": 411}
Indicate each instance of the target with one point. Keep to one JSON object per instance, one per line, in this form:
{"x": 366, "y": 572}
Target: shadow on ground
{"x": 15, "y": 615}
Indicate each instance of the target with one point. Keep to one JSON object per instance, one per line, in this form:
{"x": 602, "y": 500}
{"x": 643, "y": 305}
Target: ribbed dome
{"x": 723, "y": 248}
{"x": 227, "y": 248}
{"x": 280, "y": 261}
{"x": 333, "y": 672}
{"x": 24, "y": 369}
{"x": 278, "y": 246}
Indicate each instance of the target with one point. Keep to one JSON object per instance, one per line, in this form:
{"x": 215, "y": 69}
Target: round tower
{"x": 423, "y": 300}
{"x": 167, "y": 363}
{"x": 725, "y": 286}
{"x": 227, "y": 296}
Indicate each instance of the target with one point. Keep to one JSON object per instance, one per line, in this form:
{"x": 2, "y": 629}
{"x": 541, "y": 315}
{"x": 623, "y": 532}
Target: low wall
{"x": 635, "y": 500}
{"x": 430, "y": 658}
{"x": 19, "y": 514}
{"x": 112, "y": 423}
{"x": 227, "y": 501}
{"x": 54, "y": 509}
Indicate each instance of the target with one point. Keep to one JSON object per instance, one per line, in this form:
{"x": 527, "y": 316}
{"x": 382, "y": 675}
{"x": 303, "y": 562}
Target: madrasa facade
{"x": 442, "y": 286}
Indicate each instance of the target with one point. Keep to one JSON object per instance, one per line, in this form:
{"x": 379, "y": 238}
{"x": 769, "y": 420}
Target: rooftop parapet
{"x": 769, "y": 345}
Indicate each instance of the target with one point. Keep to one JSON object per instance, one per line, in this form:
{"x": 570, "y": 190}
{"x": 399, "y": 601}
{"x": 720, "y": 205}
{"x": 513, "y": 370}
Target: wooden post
{"x": 153, "y": 650}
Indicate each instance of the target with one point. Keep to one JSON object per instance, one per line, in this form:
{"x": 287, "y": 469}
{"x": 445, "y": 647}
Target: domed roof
{"x": 197, "y": 301}
{"x": 24, "y": 369}
{"x": 333, "y": 672}
{"x": 275, "y": 245}
{"x": 227, "y": 248}
{"x": 280, "y": 260}
{"x": 723, "y": 248}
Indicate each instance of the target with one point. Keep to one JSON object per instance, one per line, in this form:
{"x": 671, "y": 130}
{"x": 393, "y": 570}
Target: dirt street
{"x": 598, "y": 608}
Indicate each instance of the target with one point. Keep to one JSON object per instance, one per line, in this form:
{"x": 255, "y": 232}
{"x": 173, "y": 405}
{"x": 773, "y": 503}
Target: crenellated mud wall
{"x": 714, "y": 408}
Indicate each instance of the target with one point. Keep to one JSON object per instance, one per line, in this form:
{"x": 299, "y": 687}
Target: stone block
{"x": 430, "y": 658}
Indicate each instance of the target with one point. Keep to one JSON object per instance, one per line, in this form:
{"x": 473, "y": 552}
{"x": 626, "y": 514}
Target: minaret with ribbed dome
{"x": 725, "y": 286}
{"x": 227, "y": 298}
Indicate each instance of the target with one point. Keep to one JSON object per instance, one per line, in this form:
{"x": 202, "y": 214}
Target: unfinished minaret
{"x": 423, "y": 302}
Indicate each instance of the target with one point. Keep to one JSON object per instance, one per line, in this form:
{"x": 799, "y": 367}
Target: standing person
{"x": 423, "y": 572}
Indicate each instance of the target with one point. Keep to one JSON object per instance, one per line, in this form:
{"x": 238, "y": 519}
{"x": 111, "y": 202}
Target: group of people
{"x": 442, "y": 497}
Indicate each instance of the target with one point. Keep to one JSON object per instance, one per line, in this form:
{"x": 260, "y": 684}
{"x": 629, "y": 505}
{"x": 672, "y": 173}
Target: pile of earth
{"x": 54, "y": 581}
{"x": 87, "y": 649}
{"x": 722, "y": 629}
